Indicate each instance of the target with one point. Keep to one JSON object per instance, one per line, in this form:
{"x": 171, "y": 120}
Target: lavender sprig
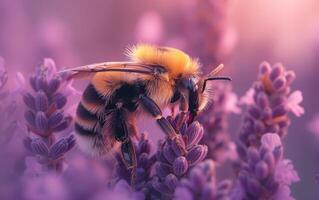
{"x": 172, "y": 163}
{"x": 45, "y": 116}
{"x": 201, "y": 184}
{"x": 269, "y": 102}
{"x": 216, "y": 137}
{"x": 265, "y": 174}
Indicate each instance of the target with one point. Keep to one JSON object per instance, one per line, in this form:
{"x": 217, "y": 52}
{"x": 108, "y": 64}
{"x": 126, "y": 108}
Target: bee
{"x": 119, "y": 92}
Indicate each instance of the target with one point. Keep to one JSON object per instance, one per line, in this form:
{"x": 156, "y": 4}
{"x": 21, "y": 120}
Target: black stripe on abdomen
{"x": 84, "y": 114}
{"x": 82, "y": 131}
{"x": 92, "y": 96}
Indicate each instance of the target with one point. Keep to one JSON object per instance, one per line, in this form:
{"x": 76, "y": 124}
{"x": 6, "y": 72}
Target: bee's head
{"x": 196, "y": 89}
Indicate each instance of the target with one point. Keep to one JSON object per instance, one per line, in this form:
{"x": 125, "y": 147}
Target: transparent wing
{"x": 126, "y": 67}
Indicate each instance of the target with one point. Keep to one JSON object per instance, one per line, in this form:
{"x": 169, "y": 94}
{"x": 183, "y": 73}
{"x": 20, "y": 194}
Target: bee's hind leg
{"x": 128, "y": 155}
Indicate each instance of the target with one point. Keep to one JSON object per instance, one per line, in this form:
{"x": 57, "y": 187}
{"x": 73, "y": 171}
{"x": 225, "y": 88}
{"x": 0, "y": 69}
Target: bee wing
{"x": 127, "y": 67}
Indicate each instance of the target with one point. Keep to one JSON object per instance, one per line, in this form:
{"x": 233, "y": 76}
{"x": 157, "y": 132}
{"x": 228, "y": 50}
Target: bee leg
{"x": 129, "y": 158}
{"x": 183, "y": 108}
{"x": 121, "y": 129}
{"x": 151, "y": 107}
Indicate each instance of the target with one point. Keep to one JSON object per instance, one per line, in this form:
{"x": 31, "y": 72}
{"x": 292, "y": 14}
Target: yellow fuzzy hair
{"x": 175, "y": 61}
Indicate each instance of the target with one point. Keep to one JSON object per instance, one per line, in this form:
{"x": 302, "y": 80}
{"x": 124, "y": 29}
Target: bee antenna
{"x": 227, "y": 78}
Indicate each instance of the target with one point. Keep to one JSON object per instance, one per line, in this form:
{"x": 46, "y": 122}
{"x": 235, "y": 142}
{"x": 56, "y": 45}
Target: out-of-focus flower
{"x": 201, "y": 184}
{"x": 313, "y": 125}
{"x": 122, "y": 191}
{"x": 215, "y": 123}
{"x": 208, "y": 32}
{"x": 48, "y": 186}
{"x": 172, "y": 162}
{"x": 265, "y": 174}
{"x": 293, "y": 101}
{"x": 149, "y": 28}
{"x": 269, "y": 102}
{"x": 45, "y": 116}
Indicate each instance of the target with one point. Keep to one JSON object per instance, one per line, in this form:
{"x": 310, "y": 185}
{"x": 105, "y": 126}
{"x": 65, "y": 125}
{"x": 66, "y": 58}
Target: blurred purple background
{"x": 80, "y": 32}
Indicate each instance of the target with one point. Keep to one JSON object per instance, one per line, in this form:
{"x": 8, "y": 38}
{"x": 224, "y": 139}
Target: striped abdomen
{"x": 89, "y": 124}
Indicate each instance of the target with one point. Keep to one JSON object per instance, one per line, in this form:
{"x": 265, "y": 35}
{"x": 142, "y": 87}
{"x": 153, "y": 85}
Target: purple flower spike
{"x": 172, "y": 161}
{"x": 45, "y": 115}
{"x": 266, "y": 175}
{"x": 269, "y": 103}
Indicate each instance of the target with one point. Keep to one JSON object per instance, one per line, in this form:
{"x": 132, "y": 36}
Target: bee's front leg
{"x": 151, "y": 107}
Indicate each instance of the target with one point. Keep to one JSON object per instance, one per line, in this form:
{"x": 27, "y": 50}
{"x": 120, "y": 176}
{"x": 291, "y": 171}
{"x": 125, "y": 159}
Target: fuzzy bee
{"x": 156, "y": 77}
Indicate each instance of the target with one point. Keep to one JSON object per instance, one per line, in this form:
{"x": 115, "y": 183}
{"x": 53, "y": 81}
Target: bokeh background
{"x": 240, "y": 34}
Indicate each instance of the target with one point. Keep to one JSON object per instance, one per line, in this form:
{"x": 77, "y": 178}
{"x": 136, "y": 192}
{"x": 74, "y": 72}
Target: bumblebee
{"x": 154, "y": 78}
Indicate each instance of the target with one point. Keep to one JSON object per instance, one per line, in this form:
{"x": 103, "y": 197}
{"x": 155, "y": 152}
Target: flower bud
{"x": 59, "y": 148}
{"x": 279, "y": 83}
{"x": 54, "y": 85}
{"x": 41, "y": 101}
{"x": 39, "y": 147}
{"x": 29, "y": 100}
{"x": 55, "y": 118}
{"x": 276, "y": 72}
{"x": 194, "y": 134}
{"x": 196, "y": 154}
{"x": 162, "y": 170}
{"x": 29, "y": 116}
{"x": 41, "y": 121}
{"x": 264, "y": 68}
{"x": 180, "y": 166}
{"x": 169, "y": 153}
{"x": 171, "y": 181}
{"x": 261, "y": 170}
{"x": 60, "y": 100}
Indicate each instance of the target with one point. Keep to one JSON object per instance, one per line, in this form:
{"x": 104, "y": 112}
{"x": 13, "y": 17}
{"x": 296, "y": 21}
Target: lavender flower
{"x": 216, "y": 137}
{"x": 172, "y": 163}
{"x": 265, "y": 174}
{"x": 269, "y": 102}
{"x": 214, "y": 37}
{"x": 201, "y": 184}
{"x": 45, "y": 116}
